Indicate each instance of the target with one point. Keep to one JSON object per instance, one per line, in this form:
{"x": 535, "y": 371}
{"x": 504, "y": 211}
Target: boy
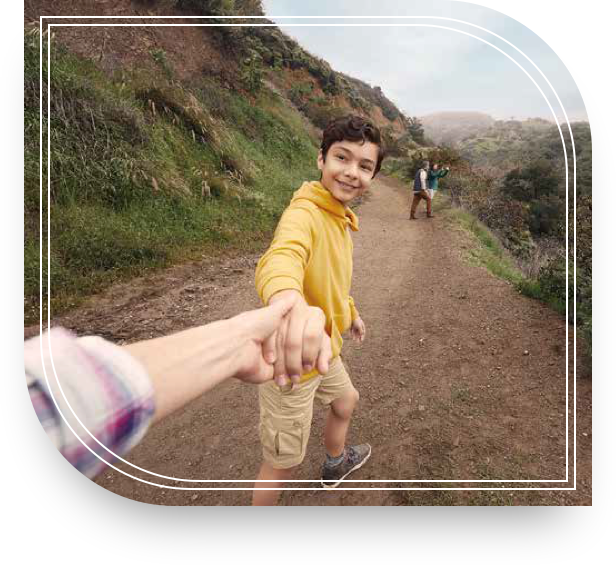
{"x": 310, "y": 259}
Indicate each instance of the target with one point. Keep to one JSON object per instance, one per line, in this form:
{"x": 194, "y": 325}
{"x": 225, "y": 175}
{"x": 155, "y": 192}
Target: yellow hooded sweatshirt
{"x": 312, "y": 252}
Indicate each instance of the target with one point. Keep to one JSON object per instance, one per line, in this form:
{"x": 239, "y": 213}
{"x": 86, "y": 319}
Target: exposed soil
{"x": 192, "y": 52}
{"x": 460, "y": 377}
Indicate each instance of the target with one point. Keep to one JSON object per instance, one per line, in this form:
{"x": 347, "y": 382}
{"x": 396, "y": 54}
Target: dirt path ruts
{"x": 460, "y": 377}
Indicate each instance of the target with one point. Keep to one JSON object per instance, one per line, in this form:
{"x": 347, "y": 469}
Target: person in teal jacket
{"x": 433, "y": 176}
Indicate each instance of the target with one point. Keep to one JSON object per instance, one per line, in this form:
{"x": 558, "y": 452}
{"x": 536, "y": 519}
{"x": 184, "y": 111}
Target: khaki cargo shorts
{"x": 286, "y": 413}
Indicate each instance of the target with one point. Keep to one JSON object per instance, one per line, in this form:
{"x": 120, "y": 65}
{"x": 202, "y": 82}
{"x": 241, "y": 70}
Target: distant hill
{"x": 510, "y": 144}
{"x": 451, "y": 127}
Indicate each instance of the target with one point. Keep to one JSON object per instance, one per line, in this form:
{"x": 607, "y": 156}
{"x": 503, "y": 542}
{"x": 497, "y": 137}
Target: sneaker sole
{"x": 329, "y": 485}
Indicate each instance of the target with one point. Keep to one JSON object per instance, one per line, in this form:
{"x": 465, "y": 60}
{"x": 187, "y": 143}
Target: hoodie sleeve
{"x": 443, "y": 173}
{"x": 283, "y": 265}
{"x": 354, "y": 312}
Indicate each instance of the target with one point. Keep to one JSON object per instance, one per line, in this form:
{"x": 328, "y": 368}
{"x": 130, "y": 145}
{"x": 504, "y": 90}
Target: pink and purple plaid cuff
{"x": 104, "y": 400}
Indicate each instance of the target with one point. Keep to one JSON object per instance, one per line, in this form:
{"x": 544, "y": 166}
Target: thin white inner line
{"x": 264, "y": 25}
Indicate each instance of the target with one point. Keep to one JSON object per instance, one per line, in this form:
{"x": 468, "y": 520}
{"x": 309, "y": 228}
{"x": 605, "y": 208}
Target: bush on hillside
{"x": 584, "y": 264}
{"x": 538, "y": 186}
{"x": 532, "y": 182}
{"x": 299, "y": 92}
{"x": 321, "y": 115}
{"x": 546, "y": 217}
{"x": 208, "y": 7}
{"x": 251, "y": 73}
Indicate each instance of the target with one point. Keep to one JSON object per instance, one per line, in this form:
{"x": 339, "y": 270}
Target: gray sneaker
{"x": 354, "y": 458}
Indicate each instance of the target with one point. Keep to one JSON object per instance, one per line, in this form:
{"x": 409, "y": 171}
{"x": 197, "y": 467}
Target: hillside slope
{"x": 168, "y": 143}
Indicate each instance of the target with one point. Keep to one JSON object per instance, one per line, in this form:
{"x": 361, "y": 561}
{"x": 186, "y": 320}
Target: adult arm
{"x": 187, "y": 364}
{"x": 93, "y": 397}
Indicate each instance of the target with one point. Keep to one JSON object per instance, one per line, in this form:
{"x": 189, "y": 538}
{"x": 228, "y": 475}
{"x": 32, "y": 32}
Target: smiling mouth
{"x": 347, "y": 186}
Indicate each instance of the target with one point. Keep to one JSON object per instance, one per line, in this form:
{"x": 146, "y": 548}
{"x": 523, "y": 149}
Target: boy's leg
{"x": 267, "y": 472}
{"x": 338, "y": 421}
{"x": 284, "y": 428}
{"x": 428, "y": 206}
{"x": 337, "y": 391}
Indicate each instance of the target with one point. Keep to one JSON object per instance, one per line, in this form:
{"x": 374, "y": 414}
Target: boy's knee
{"x": 344, "y": 406}
{"x": 284, "y": 474}
{"x": 269, "y": 472}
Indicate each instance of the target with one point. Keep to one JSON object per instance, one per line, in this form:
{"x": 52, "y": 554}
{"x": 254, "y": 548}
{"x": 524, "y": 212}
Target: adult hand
{"x": 358, "y": 330}
{"x": 301, "y": 341}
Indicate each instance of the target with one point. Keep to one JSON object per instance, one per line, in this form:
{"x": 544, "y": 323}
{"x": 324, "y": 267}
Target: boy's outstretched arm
{"x": 280, "y": 273}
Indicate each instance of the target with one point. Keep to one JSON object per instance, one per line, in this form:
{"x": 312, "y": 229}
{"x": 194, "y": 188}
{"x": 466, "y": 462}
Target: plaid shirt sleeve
{"x": 104, "y": 400}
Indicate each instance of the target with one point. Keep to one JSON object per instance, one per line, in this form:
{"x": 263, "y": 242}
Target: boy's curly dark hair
{"x": 352, "y": 128}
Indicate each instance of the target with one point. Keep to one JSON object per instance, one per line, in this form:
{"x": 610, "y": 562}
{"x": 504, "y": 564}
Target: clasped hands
{"x": 300, "y": 344}
{"x": 284, "y": 340}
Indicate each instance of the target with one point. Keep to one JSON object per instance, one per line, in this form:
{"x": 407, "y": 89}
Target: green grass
{"x": 488, "y": 252}
{"x": 548, "y": 287}
{"x": 147, "y": 172}
{"x": 534, "y": 289}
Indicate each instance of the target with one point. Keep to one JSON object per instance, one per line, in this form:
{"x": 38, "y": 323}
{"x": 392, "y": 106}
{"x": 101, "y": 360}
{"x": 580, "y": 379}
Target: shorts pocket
{"x": 289, "y": 442}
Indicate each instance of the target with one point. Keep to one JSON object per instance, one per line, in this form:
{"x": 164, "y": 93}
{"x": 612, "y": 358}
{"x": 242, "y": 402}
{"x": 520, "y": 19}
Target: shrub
{"x": 298, "y": 92}
{"x": 532, "y": 182}
{"x": 252, "y": 72}
{"x": 208, "y": 7}
{"x": 160, "y": 57}
{"x": 321, "y": 115}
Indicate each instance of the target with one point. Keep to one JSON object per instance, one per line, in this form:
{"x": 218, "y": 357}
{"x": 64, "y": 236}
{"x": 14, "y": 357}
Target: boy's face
{"x": 348, "y": 168}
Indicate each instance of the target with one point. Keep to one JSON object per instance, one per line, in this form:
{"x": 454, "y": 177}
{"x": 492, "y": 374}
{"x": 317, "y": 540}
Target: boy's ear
{"x": 320, "y": 160}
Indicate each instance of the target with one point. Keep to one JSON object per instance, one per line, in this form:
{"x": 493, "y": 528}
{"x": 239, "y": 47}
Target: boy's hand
{"x": 358, "y": 330}
{"x": 302, "y": 343}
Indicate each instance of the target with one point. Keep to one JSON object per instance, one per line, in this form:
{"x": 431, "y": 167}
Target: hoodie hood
{"x": 315, "y": 192}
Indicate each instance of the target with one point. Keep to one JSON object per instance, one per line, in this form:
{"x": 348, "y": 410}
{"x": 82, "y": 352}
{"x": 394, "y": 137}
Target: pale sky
{"x": 429, "y": 69}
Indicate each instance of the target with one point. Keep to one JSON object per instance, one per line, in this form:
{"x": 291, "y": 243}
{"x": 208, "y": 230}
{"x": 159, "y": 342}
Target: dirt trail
{"x": 460, "y": 377}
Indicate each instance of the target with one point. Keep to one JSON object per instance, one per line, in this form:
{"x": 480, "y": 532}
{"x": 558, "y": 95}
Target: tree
{"x": 537, "y": 180}
{"x": 416, "y": 130}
